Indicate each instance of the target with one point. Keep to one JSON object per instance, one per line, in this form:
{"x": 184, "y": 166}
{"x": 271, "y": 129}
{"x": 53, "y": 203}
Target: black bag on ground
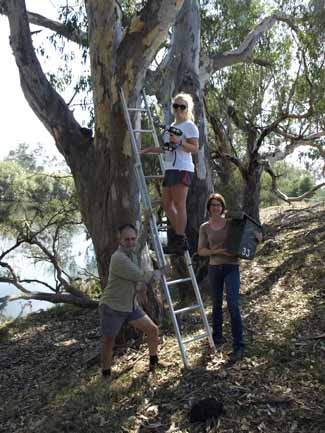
{"x": 206, "y": 409}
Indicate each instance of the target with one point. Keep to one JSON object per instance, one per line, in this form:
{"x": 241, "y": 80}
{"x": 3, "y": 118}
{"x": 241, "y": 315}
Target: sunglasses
{"x": 181, "y": 106}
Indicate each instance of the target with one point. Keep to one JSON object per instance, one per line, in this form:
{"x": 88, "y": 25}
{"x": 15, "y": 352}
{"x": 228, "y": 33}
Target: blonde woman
{"x": 179, "y": 167}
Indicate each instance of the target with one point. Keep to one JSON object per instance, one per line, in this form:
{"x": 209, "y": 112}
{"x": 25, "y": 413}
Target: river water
{"x": 81, "y": 255}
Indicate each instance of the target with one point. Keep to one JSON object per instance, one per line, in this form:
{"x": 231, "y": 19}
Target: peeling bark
{"x": 101, "y": 165}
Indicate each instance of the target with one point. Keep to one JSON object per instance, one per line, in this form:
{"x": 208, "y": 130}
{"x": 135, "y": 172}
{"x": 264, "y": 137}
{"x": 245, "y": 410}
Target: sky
{"x": 18, "y": 122}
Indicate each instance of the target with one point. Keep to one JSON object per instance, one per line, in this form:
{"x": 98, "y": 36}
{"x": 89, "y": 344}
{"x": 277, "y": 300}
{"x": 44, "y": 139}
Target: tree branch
{"x": 146, "y": 33}
{"x": 57, "y": 298}
{"x": 46, "y": 103}
{"x": 278, "y": 154}
{"x": 12, "y": 280}
{"x": 74, "y": 35}
{"x": 236, "y": 161}
{"x": 283, "y": 196}
{"x": 243, "y": 54}
{"x": 78, "y": 36}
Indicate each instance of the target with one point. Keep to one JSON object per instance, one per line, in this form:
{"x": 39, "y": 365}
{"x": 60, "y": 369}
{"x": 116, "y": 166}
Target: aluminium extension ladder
{"x": 161, "y": 260}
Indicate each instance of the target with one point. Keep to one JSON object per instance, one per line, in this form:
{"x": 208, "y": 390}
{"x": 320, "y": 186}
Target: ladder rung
{"x": 156, "y": 203}
{"x": 157, "y": 177}
{"x": 197, "y": 337}
{"x": 143, "y": 130}
{"x": 151, "y": 153}
{"x": 181, "y": 280}
{"x": 182, "y": 310}
{"x": 138, "y": 109}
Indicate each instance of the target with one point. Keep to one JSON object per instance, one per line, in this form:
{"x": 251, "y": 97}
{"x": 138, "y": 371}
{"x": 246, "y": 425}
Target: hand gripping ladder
{"x": 141, "y": 179}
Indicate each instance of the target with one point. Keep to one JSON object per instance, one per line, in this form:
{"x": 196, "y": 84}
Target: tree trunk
{"x": 180, "y": 72}
{"x": 102, "y": 166}
{"x": 252, "y": 190}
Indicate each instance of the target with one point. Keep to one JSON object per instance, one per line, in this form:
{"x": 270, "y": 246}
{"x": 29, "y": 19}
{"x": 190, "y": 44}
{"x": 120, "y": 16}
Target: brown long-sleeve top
{"x": 215, "y": 239}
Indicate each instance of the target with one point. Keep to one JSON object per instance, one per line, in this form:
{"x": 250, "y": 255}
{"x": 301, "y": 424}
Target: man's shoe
{"x": 106, "y": 377}
{"x": 160, "y": 365}
{"x": 236, "y": 355}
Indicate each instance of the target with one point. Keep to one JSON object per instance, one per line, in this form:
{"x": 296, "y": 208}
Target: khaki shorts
{"x": 111, "y": 320}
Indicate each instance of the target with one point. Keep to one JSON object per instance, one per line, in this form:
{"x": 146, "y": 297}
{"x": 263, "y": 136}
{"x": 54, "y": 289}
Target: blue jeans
{"x": 221, "y": 276}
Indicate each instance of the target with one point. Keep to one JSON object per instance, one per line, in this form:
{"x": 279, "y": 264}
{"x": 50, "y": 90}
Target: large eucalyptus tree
{"x": 101, "y": 164}
{"x": 121, "y": 49}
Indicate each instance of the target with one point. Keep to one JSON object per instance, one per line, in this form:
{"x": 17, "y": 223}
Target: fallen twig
{"x": 315, "y": 337}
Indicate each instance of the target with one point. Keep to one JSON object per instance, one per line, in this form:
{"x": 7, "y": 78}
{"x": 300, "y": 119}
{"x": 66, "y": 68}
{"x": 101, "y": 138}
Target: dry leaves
{"x": 278, "y": 388}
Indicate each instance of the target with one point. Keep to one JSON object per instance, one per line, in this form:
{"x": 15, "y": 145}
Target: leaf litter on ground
{"x": 278, "y": 387}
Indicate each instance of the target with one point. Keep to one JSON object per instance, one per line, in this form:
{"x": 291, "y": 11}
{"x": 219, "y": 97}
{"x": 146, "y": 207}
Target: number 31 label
{"x": 246, "y": 252}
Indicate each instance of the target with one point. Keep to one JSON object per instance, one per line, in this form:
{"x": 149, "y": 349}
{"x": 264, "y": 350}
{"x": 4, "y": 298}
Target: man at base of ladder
{"x": 119, "y": 304}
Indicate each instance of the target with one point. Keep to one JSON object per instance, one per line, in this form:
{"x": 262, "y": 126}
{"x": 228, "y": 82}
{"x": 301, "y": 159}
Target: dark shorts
{"x": 111, "y": 320}
{"x": 176, "y": 177}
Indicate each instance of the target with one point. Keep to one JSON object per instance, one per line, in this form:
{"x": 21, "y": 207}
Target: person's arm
{"x": 206, "y": 252}
{"x": 203, "y": 249}
{"x": 152, "y": 149}
{"x": 189, "y": 145}
{"x": 222, "y": 252}
{"x": 123, "y": 267}
{"x": 258, "y": 236}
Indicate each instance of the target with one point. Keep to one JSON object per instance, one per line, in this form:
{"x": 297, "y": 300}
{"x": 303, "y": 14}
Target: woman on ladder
{"x": 179, "y": 167}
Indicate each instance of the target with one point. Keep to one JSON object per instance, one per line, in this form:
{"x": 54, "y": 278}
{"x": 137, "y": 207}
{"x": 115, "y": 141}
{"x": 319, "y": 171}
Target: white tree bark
{"x": 101, "y": 165}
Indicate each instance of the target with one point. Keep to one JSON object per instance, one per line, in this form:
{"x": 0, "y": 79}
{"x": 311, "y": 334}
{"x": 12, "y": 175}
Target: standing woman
{"x": 223, "y": 272}
{"x": 179, "y": 167}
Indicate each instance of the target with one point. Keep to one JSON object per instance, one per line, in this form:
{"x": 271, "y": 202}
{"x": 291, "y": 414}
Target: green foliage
{"x": 21, "y": 188}
{"x": 225, "y": 23}
{"x": 32, "y": 199}
{"x": 292, "y": 181}
{"x": 74, "y": 17}
{"x": 261, "y": 93}
{"x": 232, "y": 191}
{"x": 303, "y": 185}
{"x": 12, "y": 181}
{"x": 130, "y": 8}
{"x": 246, "y": 99}
{"x": 317, "y": 18}
{"x": 36, "y": 159}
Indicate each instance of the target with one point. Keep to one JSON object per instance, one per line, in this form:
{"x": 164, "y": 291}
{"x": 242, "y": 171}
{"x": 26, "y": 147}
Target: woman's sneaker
{"x": 180, "y": 244}
{"x": 236, "y": 355}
